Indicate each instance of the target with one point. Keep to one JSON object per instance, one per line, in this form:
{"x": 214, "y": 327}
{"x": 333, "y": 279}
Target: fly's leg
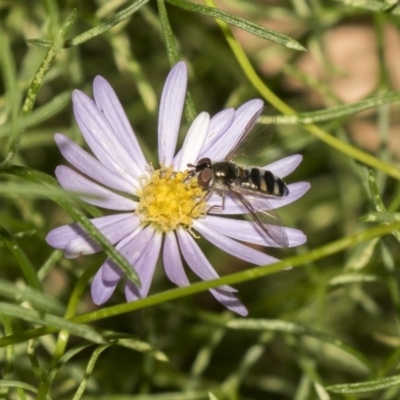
{"x": 221, "y": 207}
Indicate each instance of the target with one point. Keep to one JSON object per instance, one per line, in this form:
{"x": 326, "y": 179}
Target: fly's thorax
{"x": 225, "y": 172}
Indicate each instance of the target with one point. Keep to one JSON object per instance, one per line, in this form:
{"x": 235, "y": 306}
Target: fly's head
{"x": 204, "y": 172}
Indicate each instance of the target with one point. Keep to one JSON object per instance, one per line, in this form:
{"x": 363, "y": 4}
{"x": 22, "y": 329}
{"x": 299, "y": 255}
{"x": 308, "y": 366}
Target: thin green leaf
{"x": 73, "y": 352}
{"x": 35, "y": 366}
{"x": 169, "y": 39}
{"x": 192, "y": 395}
{"x": 32, "y": 191}
{"x": 40, "y": 42}
{"x": 115, "y": 339}
{"x": 74, "y": 301}
{"x": 364, "y": 387}
{"x": 373, "y": 5}
{"x": 37, "y": 317}
{"x": 361, "y": 255}
{"x": 89, "y": 370}
{"x": 352, "y": 278}
{"x": 380, "y": 217}
{"x": 21, "y": 393}
{"x": 142, "y": 347}
{"x": 53, "y": 259}
{"x": 17, "y": 384}
{"x": 40, "y": 301}
{"x": 131, "y": 342}
{"x": 379, "y": 205}
{"x": 297, "y": 329}
{"x": 65, "y": 358}
{"x": 23, "y": 261}
{"x": 375, "y": 193}
{"x": 8, "y": 355}
{"x": 248, "y": 26}
{"x": 251, "y": 357}
{"x": 321, "y": 392}
{"x": 338, "y": 111}
{"x": 204, "y": 357}
{"x": 106, "y": 25}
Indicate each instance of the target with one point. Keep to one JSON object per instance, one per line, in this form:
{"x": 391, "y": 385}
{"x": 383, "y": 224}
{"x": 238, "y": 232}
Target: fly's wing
{"x": 256, "y": 136}
{"x": 267, "y": 219}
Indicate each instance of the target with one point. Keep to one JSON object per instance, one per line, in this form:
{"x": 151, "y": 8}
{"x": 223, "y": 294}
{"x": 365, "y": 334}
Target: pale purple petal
{"x": 60, "y": 236}
{"x": 196, "y": 259}
{"x": 219, "y": 123}
{"x": 170, "y": 113}
{"x": 296, "y": 190}
{"x": 230, "y": 301}
{"x": 115, "y": 232}
{"x": 91, "y": 167}
{"x": 194, "y": 141}
{"x": 108, "y": 103}
{"x": 101, "y": 139}
{"x": 233, "y": 247}
{"x": 101, "y": 290}
{"x": 172, "y": 261}
{"x": 145, "y": 267}
{"x": 91, "y": 192}
{"x": 244, "y": 115}
{"x": 132, "y": 248}
{"x": 250, "y": 232}
{"x": 285, "y": 166}
{"x": 201, "y": 267}
{"x": 75, "y": 241}
{"x": 232, "y": 206}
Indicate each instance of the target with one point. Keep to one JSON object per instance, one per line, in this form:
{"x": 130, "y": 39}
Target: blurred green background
{"x": 327, "y": 322}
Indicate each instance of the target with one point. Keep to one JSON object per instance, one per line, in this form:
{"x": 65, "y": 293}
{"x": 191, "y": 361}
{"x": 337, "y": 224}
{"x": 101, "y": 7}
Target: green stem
{"x": 243, "y": 276}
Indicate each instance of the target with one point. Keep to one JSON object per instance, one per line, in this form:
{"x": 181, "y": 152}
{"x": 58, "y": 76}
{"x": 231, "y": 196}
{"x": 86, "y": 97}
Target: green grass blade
{"x": 248, "y": 26}
{"x": 365, "y": 387}
{"x": 297, "y": 329}
{"x": 106, "y": 25}
{"x": 36, "y": 317}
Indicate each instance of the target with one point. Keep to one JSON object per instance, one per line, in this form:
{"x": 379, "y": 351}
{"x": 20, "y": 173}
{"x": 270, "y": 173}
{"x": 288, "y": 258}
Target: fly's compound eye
{"x": 204, "y": 172}
{"x": 204, "y": 169}
{"x": 205, "y": 177}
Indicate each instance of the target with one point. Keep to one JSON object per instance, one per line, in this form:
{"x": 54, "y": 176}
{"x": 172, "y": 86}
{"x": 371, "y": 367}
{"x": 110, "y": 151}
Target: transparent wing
{"x": 268, "y": 220}
{"x": 256, "y": 136}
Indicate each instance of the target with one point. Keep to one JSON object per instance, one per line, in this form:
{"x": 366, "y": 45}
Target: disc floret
{"x": 170, "y": 199}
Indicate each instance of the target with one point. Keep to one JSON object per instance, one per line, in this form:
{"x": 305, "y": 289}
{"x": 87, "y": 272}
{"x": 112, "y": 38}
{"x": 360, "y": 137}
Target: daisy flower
{"x": 161, "y": 211}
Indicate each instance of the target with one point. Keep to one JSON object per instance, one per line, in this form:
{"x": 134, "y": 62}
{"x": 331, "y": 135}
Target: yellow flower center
{"x": 170, "y": 199}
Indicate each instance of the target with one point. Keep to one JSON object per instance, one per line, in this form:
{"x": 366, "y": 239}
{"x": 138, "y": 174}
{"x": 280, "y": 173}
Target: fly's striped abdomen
{"x": 259, "y": 180}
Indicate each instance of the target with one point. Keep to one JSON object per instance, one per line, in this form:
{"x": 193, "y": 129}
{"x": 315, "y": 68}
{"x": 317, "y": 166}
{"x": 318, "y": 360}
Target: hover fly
{"x": 251, "y": 186}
